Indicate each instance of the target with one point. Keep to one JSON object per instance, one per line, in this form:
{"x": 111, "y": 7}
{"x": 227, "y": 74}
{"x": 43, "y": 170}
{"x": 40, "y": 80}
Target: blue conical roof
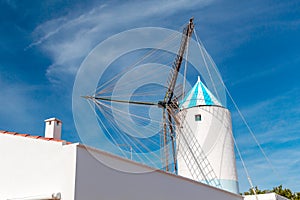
{"x": 199, "y": 95}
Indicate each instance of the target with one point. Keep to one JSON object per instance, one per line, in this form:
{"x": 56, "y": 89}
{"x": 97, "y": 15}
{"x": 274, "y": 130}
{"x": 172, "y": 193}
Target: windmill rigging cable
{"x": 100, "y": 119}
{"x": 205, "y": 63}
{"x": 126, "y": 141}
{"x": 109, "y": 116}
{"x": 111, "y": 87}
{"x": 151, "y": 52}
{"x": 122, "y": 120}
{"x": 244, "y": 166}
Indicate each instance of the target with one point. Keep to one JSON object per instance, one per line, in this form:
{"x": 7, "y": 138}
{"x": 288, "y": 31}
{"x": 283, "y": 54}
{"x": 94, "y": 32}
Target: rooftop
{"x": 199, "y": 95}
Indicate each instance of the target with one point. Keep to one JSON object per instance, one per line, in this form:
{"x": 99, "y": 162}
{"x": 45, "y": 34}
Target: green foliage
{"x": 285, "y": 192}
{"x": 257, "y": 191}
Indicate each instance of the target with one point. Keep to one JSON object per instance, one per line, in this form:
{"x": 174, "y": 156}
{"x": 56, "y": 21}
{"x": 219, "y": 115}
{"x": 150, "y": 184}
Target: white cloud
{"x": 68, "y": 39}
{"x": 275, "y": 124}
{"x": 272, "y": 121}
{"x": 284, "y": 170}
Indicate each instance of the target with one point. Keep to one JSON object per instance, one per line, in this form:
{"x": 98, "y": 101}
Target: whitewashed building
{"x": 35, "y": 167}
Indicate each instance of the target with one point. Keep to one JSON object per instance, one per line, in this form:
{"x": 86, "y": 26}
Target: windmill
{"x": 172, "y": 122}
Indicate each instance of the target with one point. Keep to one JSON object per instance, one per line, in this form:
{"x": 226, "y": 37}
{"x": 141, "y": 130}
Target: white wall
{"x": 95, "y": 180}
{"x": 35, "y": 167}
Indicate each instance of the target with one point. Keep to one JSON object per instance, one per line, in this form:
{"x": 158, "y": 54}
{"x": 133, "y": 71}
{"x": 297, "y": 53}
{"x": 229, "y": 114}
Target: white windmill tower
{"x": 210, "y": 123}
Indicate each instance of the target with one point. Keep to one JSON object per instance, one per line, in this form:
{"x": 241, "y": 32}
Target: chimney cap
{"x": 53, "y": 119}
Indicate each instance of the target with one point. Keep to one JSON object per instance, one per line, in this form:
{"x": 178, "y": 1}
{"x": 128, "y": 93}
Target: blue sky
{"x": 254, "y": 43}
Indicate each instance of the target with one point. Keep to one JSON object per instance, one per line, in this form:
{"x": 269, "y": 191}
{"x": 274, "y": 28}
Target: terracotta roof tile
{"x": 33, "y": 136}
{"x": 23, "y": 135}
{"x": 10, "y": 133}
{"x": 44, "y": 138}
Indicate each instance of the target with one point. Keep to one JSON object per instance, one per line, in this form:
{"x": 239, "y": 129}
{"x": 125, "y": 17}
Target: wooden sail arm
{"x": 187, "y": 32}
{"x": 121, "y": 101}
{"x": 172, "y": 135}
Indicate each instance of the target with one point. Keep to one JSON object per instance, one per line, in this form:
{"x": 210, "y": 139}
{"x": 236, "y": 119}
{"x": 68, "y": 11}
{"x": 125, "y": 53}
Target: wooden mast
{"x": 166, "y": 103}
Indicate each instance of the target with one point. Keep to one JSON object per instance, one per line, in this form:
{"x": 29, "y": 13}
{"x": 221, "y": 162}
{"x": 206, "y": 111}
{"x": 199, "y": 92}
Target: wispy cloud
{"x": 271, "y": 119}
{"x": 275, "y": 124}
{"x": 233, "y": 23}
{"x": 67, "y": 40}
{"x": 260, "y": 74}
{"x": 285, "y": 164}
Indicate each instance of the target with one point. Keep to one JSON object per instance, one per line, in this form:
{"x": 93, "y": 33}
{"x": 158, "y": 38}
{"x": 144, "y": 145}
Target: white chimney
{"x": 53, "y": 128}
